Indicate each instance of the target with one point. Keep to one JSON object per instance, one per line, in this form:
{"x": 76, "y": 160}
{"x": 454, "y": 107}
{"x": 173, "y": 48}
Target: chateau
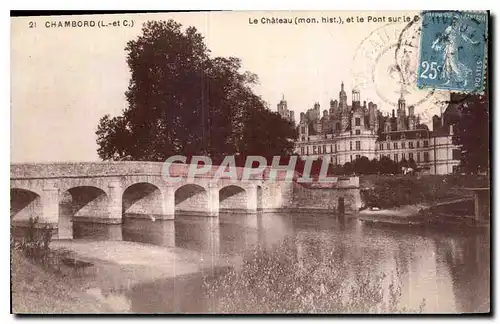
{"x": 346, "y": 132}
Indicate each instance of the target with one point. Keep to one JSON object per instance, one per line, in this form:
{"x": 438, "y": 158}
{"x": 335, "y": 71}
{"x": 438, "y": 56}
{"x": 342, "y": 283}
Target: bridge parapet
{"x": 83, "y": 169}
{"x": 120, "y": 168}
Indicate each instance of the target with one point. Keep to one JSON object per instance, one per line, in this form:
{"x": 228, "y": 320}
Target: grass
{"x": 37, "y": 290}
{"x": 281, "y": 281}
{"x": 40, "y": 282}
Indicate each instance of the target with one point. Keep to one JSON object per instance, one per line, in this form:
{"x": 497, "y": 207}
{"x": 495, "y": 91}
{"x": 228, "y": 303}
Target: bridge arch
{"x": 80, "y": 203}
{"x": 143, "y": 198}
{"x": 233, "y": 198}
{"x": 191, "y": 199}
{"x": 24, "y": 204}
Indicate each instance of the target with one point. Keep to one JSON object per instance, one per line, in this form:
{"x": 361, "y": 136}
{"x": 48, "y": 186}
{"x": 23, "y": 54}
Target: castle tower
{"x": 333, "y": 106}
{"x": 356, "y": 98}
{"x": 401, "y": 112}
{"x": 303, "y": 129}
{"x": 282, "y": 107}
{"x": 317, "y": 113}
{"x": 342, "y": 98}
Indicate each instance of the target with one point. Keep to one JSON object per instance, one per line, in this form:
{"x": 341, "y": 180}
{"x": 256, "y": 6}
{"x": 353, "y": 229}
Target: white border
{"x": 196, "y": 5}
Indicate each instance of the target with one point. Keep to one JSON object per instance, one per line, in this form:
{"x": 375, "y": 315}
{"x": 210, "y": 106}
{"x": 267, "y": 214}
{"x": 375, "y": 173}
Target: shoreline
{"x": 102, "y": 287}
{"x": 424, "y": 214}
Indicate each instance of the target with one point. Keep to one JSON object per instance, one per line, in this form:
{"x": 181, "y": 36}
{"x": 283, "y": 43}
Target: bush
{"x": 34, "y": 244}
{"x": 284, "y": 282}
{"x": 395, "y": 191}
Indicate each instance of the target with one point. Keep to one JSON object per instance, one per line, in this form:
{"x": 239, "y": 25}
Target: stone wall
{"x": 83, "y": 169}
{"x": 325, "y": 198}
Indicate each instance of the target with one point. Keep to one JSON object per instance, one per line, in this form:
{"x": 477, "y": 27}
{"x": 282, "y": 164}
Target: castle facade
{"x": 345, "y": 132}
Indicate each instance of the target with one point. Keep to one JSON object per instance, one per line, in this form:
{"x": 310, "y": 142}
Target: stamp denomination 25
{"x": 453, "y": 50}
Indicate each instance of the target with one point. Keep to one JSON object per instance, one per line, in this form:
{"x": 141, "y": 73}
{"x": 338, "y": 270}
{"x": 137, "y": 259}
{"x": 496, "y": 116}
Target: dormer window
{"x": 388, "y": 138}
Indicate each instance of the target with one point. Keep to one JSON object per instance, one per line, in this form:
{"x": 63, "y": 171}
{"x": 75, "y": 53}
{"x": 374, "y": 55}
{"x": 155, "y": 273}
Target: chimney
{"x": 411, "y": 110}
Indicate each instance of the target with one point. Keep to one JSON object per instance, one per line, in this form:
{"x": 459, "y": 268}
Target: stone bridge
{"x": 104, "y": 192}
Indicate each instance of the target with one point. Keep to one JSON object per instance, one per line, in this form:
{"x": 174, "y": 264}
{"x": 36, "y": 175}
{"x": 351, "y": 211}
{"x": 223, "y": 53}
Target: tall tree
{"x": 182, "y": 101}
{"x": 472, "y": 131}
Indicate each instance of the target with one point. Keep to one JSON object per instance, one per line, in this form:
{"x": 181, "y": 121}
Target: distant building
{"x": 284, "y": 112}
{"x": 346, "y": 132}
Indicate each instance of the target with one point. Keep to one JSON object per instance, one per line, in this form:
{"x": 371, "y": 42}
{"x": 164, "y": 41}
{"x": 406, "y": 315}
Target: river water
{"x": 442, "y": 270}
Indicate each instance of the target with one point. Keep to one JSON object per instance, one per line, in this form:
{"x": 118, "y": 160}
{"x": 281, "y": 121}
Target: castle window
{"x": 388, "y": 146}
{"x": 410, "y": 145}
{"x": 302, "y": 130}
{"x": 396, "y": 157}
{"x": 324, "y": 148}
{"x": 395, "y": 145}
{"x": 388, "y": 137}
{"x": 426, "y": 156}
{"x": 358, "y": 145}
{"x": 302, "y": 150}
{"x": 418, "y": 135}
{"x": 351, "y": 157}
{"x": 314, "y": 149}
{"x": 403, "y": 136}
{"x": 331, "y": 148}
{"x": 307, "y": 150}
{"x": 358, "y": 156}
{"x": 358, "y": 132}
{"x": 410, "y": 156}
{"x": 336, "y": 147}
{"x": 350, "y": 144}
{"x": 418, "y": 157}
{"x": 381, "y": 146}
{"x": 403, "y": 156}
{"x": 418, "y": 144}
{"x": 403, "y": 145}
{"x": 426, "y": 143}
{"x": 358, "y": 121}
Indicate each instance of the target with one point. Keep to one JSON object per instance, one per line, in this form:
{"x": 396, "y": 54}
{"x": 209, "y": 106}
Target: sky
{"x": 63, "y": 80}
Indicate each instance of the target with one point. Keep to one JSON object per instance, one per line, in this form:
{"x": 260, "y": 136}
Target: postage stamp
{"x": 453, "y": 51}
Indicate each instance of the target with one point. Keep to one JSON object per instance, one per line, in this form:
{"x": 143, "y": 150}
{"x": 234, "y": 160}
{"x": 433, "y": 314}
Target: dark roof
{"x": 408, "y": 134}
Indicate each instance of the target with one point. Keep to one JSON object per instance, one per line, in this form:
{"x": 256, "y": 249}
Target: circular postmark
{"x": 386, "y": 62}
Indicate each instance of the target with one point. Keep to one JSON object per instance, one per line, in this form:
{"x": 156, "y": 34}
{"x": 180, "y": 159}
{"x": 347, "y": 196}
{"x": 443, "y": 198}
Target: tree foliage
{"x": 472, "y": 132}
{"x": 183, "y": 101}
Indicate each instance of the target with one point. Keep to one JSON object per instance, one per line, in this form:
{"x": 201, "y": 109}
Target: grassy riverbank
{"x": 36, "y": 290}
{"x": 395, "y": 191}
{"x": 102, "y": 288}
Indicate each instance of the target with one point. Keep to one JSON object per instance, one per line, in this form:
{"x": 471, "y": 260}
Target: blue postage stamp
{"x": 453, "y": 51}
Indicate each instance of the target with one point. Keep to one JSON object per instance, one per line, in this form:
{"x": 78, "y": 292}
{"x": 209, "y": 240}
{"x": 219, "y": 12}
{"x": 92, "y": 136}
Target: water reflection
{"x": 449, "y": 269}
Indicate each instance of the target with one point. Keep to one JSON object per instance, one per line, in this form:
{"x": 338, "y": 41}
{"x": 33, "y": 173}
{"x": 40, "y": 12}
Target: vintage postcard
{"x": 257, "y": 162}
